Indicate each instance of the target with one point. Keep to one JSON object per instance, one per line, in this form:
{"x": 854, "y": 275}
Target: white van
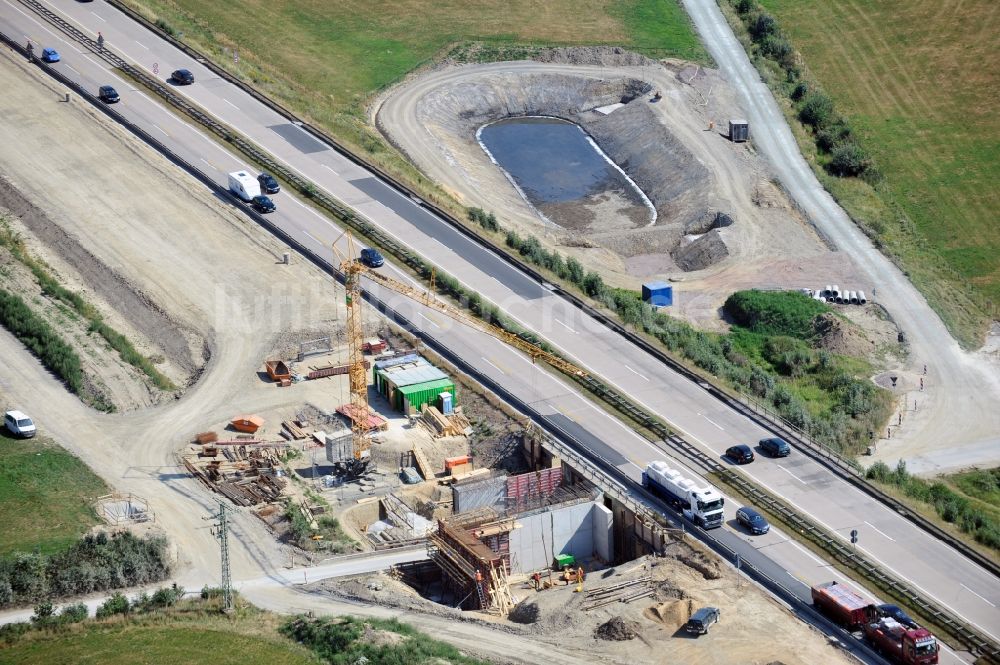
{"x": 19, "y": 424}
{"x": 244, "y": 185}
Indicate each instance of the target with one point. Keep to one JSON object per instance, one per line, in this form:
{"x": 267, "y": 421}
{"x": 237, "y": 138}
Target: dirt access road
{"x": 954, "y": 424}
{"x": 956, "y": 417}
{"x": 209, "y": 269}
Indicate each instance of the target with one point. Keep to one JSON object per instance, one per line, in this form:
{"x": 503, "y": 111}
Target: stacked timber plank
{"x": 245, "y": 474}
{"x": 441, "y": 425}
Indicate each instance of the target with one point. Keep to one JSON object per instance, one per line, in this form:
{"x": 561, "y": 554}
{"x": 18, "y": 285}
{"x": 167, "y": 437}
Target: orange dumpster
{"x": 247, "y": 423}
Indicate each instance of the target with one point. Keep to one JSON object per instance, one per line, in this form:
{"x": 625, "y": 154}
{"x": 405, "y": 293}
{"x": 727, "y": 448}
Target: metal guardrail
{"x": 967, "y": 634}
{"x": 748, "y": 407}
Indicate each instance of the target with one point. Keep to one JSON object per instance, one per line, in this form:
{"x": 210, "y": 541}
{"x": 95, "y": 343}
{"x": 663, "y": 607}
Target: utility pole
{"x": 222, "y": 533}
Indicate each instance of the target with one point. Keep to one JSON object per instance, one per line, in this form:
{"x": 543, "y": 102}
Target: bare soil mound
{"x": 672, "y": 614}
{"x": 704, "y": 564}
{"x": 617, "y": 629}
{"x": 839, "y": 336}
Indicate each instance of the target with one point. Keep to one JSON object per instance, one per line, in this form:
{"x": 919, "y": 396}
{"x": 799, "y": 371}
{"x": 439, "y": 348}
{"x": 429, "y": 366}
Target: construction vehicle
{"x": 353, "y": 270}
{"x": 909, "y": 646}
{"x": 700, "y": 504}
{"x": 843, "y": 605}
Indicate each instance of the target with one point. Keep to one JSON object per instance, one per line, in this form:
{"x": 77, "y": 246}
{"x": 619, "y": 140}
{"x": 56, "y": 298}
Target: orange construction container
{"x": 452, "y": 462}
{"x": 247, "y": 423}
{"x": 277, "y": 370}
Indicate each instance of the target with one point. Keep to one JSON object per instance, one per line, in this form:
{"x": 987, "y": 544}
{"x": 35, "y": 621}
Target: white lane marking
{"x": 72, "y": 69}
{"x": 329, "y": 169}
{"x": 792, "y": 475}
{"x": 492, "y": 365}
{"x": 430, "y": 321}
{"x": 141, "y": 44}
{"x": 208, "y": 162}
{"x": 311, "y": 236}
{"x": 442, "y": 244}
{"x": 99, "y": 16}
{"x": 159, "y": 128}
{"x": 712, "y": 421}
{"x": 636, "y": 373}
{"x": 559, "y": 322}
{"x": 880, "y": 531}
{"x": 28, "y": 16}
{"x": 976, "y": 594}
{"x": 231, "y": 104}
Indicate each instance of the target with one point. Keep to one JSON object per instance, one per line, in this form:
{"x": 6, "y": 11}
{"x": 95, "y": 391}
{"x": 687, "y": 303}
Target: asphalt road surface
{"x": 939, "y": 571}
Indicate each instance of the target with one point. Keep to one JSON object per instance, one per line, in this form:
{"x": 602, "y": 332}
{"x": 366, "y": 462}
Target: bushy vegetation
{"x": 951, "y": 506}
{"x": 157, "y": 628}
{"x": 844, "y": 156}
{"x": 52, "y": 288}
{"x": 57, "y": 356}
{"x": 341, "y": 641}
{"x": 768, "y": 357}
{"x": 94, "y": 563}
{"x": 775, "y": 312}
{"x": 328, "y": 535}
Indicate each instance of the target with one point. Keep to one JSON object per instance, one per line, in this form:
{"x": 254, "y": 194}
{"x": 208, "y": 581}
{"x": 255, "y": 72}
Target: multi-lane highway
{"x": 902, "y": 548}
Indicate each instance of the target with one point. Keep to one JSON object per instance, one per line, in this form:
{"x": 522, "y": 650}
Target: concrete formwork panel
{"x": 603, "y": 537}
{"x": 542, "y": 535}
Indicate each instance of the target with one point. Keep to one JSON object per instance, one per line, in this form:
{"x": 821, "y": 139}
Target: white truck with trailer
{"x": 244, "y": 185}
{"x": 698, "y": 502}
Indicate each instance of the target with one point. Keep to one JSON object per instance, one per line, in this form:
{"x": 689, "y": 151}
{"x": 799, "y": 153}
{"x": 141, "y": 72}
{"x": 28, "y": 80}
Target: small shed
{"x": 408, "y": 386}
{"x": 658, "y": 294}
{"x": 739, "y": 130}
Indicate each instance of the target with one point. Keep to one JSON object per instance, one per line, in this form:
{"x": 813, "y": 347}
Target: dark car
{"x": 268, "y": 183}
{"x": 897, "y": 613}
{"x": 182, "y": 77}
{"x": 371, "y": 257}
{"x": 775, "y": 447}
{"x": 754, "y": 522}
{"x": 741, "y": 454}
{"x": 702, "y": 620}
{"x": 263, "y": 204}
{"x": 50, "y": 55}
{"x": 107, "y": 94}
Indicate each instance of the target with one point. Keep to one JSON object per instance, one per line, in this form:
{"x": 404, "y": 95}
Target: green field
{"x": 45, "y": 496}
{"x": 326, "y": 60}
{"x": 918, "y": 82}
{"x": 177, "y": 643}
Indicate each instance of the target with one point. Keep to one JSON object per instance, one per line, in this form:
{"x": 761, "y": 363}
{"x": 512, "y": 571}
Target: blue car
{"x": 372, "y": 257}
{"x": 753, "y": 521}
{"x": 50, "y": 55}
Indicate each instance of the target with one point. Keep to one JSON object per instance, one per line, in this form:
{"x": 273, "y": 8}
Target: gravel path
{"x": 958, "y": 408}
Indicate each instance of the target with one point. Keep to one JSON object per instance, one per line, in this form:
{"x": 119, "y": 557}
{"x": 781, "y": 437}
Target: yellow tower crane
{"x": 353, "y": 270}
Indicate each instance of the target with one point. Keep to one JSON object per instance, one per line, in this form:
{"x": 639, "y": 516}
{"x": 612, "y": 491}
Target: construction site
{"x": 329, "y": 430}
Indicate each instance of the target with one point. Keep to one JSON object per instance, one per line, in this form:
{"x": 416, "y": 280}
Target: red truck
{"x": 901, "y": 644}
{"x": 843, "y": 605}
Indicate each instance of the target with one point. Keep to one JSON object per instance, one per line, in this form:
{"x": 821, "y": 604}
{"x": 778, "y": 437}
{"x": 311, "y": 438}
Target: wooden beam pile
{"x": 245, "y": 474}
{"x": 441, "y": 425}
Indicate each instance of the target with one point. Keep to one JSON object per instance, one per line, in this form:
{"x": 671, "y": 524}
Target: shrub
{"x": 575, "y": 271}
{"x": 799, "y": 91}
{"x": 116, "y": 604}
{"x": 849, "y": 159}
{"x": 44, "y": 612}
{"x": 58, "y": 356}
{"x": 775, "y": 312}
{"x": 73, "y": 613}
{"x": 762, "y": 25}
{"x": 816, "y": 110}
{"x": 94, "y": 563}
{"x": 593, "y": 285}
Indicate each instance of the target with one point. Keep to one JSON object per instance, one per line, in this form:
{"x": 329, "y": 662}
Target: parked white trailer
{"x": 701, "y": 504}
{"x": 244, "y": 185}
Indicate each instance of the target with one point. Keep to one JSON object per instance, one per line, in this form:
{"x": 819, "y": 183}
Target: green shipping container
{"x": 423, "y": 393}
{"x": 563, "y": 560}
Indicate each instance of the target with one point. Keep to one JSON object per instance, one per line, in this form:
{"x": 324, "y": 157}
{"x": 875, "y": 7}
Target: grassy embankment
{"x": 161, "y": 629}
{"x": 45, "y": 496}
{"x": 912, "y": 83}
{"x": 63, "y": 362}
{"x": 325, "y": 60}
{"x": 966, "y": 502}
